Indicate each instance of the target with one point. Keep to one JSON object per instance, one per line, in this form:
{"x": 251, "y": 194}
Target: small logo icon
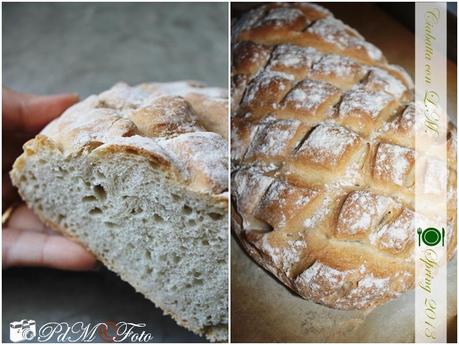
{"x": 24, "y": 330}
{"x": 431, "y": 236}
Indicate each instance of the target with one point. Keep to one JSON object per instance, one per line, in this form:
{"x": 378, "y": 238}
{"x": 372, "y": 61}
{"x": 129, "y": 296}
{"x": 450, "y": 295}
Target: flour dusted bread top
{"x": 323, "y": 157}
{"x": 181, "y": 125}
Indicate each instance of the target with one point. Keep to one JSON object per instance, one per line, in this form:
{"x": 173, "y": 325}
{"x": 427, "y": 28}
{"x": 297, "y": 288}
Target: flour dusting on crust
{"x": 351, "y": 141}
{"x": 328, "y": 142}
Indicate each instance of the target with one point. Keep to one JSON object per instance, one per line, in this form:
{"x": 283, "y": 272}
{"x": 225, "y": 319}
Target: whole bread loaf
{"x": 323, "y": 158}
{"x": 138, "y": 175}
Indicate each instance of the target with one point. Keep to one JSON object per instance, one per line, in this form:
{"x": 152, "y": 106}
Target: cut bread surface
{"x": 148, "y": 207}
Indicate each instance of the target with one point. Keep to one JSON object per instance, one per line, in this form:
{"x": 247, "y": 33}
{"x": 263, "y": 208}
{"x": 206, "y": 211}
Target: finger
{"x": 10, "y": 154}
{"x": 23, "y": 218}
{"x": 30, "y": 112}
{"x": 27, "y": 248}
{"x": 9, "y": 193}
{"x": 11, "y": 148}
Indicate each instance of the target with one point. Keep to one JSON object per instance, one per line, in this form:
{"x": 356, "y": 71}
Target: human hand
{"x": 26, "y": 240}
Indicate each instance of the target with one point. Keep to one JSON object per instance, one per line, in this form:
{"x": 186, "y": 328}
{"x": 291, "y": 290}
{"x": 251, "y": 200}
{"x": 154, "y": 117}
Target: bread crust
{"x": 116, "y": 121}
{"x": 323, "y": 158}
{"x": 153, "y": 121}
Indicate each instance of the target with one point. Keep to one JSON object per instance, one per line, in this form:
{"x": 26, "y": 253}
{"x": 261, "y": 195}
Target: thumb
{"x": 30, "y": 248}
{"x": 30, "y": 113}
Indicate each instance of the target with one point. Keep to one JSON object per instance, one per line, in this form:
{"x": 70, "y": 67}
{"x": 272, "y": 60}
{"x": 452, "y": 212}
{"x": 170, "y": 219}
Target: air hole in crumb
{"x": 191, "y": 222}
{"x": 197, "y": 281}
{"x": 130, "y": 246}
{"x": 60, "y": 218}
{"x": 88, "y": 198}
{"x": 175, "y": 197}
{"x": 215, "y": 216}
{"x": 100, "y": 174}
{"x": 186, "y": 209}
{"x": 111, "y": 225}
{"x": 100, "y": 191}
{"x": 95, "y": 210}
{"x": 136, "y": 210}
{"x": 147, "y": 255}
{"x": 205, "y": 242}
{"x": 176, "y": 259}
{"x": 157, "y": 218}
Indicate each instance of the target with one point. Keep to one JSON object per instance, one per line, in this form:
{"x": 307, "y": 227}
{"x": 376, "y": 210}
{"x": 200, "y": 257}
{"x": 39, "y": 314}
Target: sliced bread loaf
{"x": 136, "y": 176}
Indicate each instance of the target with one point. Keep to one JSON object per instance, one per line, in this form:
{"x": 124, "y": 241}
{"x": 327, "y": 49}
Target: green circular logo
{"x": 431, "y": 236}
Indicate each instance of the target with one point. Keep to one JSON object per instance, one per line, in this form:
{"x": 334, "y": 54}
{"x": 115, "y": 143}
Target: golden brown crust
{"x": 323, "y": 158}
{"x": 165, "y": 122}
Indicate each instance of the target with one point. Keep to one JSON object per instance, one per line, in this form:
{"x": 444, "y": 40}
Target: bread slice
{"x": 134, "y": 176}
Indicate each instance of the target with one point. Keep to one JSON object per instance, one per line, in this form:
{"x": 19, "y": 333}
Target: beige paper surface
{"x": 263, "y": 310}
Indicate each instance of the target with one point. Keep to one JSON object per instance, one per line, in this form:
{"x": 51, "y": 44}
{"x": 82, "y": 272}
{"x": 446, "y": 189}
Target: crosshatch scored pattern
{"x": 323, "y": 158}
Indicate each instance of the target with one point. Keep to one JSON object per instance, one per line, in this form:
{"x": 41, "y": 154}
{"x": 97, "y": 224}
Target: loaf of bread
{"x": 323, "y": 158}
{"x": 138, "y": 175}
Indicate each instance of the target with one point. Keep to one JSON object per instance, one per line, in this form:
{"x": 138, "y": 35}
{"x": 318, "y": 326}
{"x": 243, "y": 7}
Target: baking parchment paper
{"x": 263, "y": 310}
